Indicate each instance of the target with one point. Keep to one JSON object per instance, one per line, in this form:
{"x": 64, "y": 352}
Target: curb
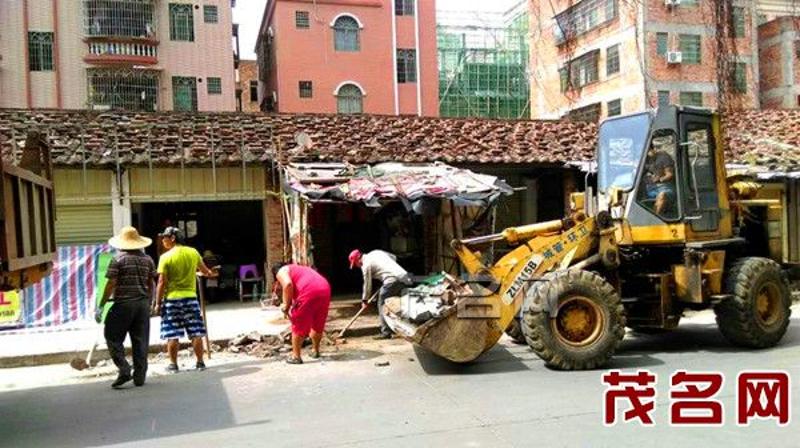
{"x": 101, "y": 353}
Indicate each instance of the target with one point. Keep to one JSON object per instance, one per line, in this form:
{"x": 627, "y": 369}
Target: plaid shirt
{"x": 134, "y": 272}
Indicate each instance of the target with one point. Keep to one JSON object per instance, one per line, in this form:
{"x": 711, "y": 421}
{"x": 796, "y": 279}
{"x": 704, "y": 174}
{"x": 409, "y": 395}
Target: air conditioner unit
{"x": 672, "y": 3}
{"x": 674, "y": 57}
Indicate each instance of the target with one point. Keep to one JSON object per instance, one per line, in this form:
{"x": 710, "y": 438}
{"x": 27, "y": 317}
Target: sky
{"x": 248, "y": 14}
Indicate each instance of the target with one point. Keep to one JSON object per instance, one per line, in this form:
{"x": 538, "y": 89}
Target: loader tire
{"x": 589, "y": 320}
{"x": 514, "y": 331}
{"x": 757, "y": 314}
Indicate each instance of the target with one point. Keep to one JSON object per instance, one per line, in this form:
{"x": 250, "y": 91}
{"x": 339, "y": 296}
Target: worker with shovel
{"x": 131, "y": 276}
{"x": 382, "y": 266}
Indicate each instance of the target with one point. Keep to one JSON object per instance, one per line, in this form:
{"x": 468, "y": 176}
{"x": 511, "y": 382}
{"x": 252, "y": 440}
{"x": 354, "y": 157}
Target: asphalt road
{"x": 507, "y": 398}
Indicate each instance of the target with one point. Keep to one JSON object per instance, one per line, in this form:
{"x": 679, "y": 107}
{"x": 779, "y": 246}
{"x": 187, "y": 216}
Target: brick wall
{"x": 779, "y": 44}
{"x": 248, "y": 71}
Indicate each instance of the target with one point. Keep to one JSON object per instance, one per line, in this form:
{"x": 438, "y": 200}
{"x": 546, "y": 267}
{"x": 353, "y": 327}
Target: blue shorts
{"x": 179, "y": 316}
{"x": 653, "y": 190}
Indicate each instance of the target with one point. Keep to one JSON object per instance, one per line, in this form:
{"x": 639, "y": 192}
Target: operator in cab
{"x": 660, "y": 180}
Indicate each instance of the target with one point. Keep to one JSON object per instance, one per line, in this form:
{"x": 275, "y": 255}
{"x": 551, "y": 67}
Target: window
{"x": 614, "y": 108}
{"x": 590, "y": 113}
{"x": 583, "y": 70}
{"x": 689, "y": 3}
{"x": 406, "y": 66}
{"x": 214, "y": 86}
{"x": 184, "y": 93}
{"x": 121, "y": 18}
{"x": 345, "y": 31}
{"x": 657, "y": 188}
{"x": 691, "y": 99}
{"x": 125, "y": 89}
{"x": 404, "y": 7}
{"x": 740, "y": 77}
{"x": 307, "y": 89}
{"x": 253, "y": 91}
{"x": 302, "y": 20}
{"x": 210, "y": 14}
{"x": 40, "y": 51}
{"x": 583, "y": 17}
{"x": 738, "y": 21}
{"x": 690, "y": 48}
{"x": 662, "y": 40}
{"x": 612, "y": 60}
{"x": 663, "y": 98}
{"x": 349, "y": 99}
{"x": 181, "y": 22}
{"x": 699, "y": 183}
{"x": 563, "y": 74}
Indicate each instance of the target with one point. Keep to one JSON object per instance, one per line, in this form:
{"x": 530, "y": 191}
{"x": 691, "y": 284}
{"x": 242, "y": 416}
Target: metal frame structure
{"x": 120, "y": 18}
{"x": 121, "y": 88}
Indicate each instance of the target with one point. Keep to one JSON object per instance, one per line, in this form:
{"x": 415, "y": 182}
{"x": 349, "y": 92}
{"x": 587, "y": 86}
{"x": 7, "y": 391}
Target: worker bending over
{"x": 381, "y": 266}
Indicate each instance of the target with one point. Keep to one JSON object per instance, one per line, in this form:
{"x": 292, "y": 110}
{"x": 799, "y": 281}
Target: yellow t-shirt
{"x": 180, "y": 266}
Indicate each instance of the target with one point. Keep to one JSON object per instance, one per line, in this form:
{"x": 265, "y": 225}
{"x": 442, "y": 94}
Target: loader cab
{"x": 663, "y": 171}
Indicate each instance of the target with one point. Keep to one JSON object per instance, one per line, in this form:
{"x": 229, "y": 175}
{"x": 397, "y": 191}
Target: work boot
{"x": 121, "y": 379}
{"x": 138, "y": 380}
{"x": 200, "y": 366}
{"x": 172, "y": 368}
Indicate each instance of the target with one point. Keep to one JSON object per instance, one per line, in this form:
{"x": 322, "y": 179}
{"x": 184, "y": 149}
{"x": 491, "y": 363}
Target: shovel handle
{"x": 358, "y": 314}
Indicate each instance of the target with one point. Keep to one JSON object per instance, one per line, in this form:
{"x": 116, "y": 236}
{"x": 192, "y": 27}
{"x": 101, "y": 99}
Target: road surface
{"x": 508, "y": 398}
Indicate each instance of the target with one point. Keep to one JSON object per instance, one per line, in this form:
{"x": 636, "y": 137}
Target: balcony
{"x": 120, "y": 51}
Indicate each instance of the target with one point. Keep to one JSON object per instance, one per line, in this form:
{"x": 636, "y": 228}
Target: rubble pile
{"x": 258, "y": 345}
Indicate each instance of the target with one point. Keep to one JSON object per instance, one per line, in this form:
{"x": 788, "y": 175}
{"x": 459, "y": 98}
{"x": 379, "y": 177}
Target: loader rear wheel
{"x": 514, "y": 331}
{"x": 757, "y": 314}
{"x": 588, "y": 322}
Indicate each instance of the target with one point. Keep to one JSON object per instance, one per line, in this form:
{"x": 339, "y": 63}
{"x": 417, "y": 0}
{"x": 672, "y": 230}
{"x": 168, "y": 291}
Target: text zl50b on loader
{"x": 665, "y": 232}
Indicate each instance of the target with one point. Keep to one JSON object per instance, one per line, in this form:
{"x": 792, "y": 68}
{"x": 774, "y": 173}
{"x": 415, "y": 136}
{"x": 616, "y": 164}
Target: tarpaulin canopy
{"x": 375, "y": 185}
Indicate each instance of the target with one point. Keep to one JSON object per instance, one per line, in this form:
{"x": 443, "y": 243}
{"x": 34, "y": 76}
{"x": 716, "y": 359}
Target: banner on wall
{"x": 10, "y": 309}
{"x": 68, "y": 294}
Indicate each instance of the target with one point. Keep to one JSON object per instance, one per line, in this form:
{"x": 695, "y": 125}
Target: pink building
{"x": 349, "y": 56}
{"x": 117, "y": 54}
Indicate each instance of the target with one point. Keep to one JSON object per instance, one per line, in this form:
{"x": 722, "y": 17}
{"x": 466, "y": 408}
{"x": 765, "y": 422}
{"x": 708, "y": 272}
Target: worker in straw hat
{"x": 131, "y": 279}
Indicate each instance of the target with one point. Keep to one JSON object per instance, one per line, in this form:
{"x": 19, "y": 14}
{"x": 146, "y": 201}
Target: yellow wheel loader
{"x": 662, "y": 233}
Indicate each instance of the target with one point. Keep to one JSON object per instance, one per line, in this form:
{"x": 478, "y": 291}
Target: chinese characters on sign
{"x": 761, "y": 395}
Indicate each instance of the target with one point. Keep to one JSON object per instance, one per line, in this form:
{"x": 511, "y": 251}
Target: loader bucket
{"x": 450, "y": 336}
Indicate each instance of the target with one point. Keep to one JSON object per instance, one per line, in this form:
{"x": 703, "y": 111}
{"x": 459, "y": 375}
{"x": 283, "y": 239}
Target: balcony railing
{"x": 119, "y": 52}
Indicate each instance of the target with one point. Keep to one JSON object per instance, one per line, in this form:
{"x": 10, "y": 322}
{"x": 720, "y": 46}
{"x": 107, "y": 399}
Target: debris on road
{"x": 382, "y": 364}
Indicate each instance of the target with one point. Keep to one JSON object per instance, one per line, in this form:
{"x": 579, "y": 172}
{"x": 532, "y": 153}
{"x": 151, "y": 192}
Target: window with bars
{"x": 690, "y": 48}
{"x": 738, "y": 29}
{"x": 663, "y": 98}
{"x": 404, "y": 7}
{"x": 123, "y": 18}
{"x": 184, "y": 94}
{"x": 350, "y": 100}
{"x": 581, "y": 71}
{"x": 691, "y": 99}
{"x": 346, "y": 34}
{"x": 583, "y": 17}
{"x": 614, "y": 108}
{"x": 214, "y": 86}
{"x": 590, "y": 113}
{"x": 210, "y": 14}
{"x": 306, "y": 89}
{"x": 40, "y": 51}
{"x": 406, "y": 66}
{"x": 662, "y": 43}
{"x": 181, "y": 22}
{"x": 302, "y": 20}
{"x": 689, "y": 3}
{"x": 612, "y": 60}
{"x": 125, "y": 89}
{"x": 739, "y": 80}
{"x": 253, "y": 91}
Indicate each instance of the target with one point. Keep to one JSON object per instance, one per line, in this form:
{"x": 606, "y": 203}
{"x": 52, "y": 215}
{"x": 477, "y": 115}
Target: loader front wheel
{"x": 574, "y": 320}
{"x": 757, "y": 313}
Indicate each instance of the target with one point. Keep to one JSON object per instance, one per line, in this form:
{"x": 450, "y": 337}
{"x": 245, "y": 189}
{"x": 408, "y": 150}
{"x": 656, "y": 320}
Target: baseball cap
{"x": 171, "y": 231}
{"x": 354, "y": 256}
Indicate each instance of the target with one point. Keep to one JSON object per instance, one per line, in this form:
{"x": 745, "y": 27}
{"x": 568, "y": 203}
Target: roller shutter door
{"x": 83, "y": 224}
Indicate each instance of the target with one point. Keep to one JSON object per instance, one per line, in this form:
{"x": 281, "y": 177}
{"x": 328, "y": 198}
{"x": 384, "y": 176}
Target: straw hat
{"x": 129, "y": 239}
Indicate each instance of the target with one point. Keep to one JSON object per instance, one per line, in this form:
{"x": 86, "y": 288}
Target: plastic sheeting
{"x": 68, "y": 294}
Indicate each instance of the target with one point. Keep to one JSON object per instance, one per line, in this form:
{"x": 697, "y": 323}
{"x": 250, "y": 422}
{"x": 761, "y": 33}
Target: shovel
{"x": 358, "y": 314}
{"x": 79, "y": 363}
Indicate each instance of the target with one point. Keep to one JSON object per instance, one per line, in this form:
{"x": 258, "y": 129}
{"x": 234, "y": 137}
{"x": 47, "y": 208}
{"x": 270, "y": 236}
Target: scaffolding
{"x": 483, "y": 64}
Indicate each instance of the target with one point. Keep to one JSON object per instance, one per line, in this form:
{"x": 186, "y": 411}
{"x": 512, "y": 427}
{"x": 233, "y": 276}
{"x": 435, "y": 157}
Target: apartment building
{"x": 349, "y": 56}
{"x": 593, "y": 59}
{"x": 138, "y": 55}
{"x": 779, "y": 55}
{"x": 247, "y": 86}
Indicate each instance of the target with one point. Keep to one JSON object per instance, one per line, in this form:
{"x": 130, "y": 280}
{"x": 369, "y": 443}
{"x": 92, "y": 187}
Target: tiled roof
{"x": 194, "y": 137}
{"x": 769, "y": 139}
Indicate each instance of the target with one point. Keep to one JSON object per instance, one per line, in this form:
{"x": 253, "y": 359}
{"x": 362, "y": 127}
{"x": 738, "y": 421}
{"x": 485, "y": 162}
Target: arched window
{"x": 345, "y": 30}
{"x": 349, "y": 99}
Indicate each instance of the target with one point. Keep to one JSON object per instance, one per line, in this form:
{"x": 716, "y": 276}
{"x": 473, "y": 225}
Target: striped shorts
{"x": 179, "y": 315}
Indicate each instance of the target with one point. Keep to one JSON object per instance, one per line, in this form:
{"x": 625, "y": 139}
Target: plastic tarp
{"x": 378, "y": 184}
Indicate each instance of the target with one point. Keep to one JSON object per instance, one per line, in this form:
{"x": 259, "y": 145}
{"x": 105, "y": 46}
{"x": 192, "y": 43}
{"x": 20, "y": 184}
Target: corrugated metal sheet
{"x": 83, "y": 224}
{"x": 197, "y": 184}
